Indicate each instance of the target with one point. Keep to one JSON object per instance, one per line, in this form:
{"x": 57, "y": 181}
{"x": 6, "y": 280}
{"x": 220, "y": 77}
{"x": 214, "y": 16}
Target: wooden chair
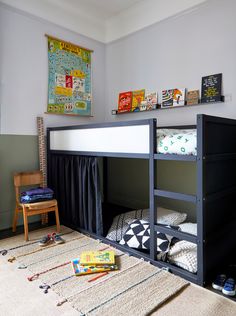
{"x": 23, "y": 179}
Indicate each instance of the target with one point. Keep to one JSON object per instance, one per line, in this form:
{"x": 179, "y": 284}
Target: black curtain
{"x": 76, "y": 183}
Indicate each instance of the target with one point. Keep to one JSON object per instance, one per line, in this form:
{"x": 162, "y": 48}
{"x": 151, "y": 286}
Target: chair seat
{"x": 40, "y": 205}
{"x": 31, "y": 179}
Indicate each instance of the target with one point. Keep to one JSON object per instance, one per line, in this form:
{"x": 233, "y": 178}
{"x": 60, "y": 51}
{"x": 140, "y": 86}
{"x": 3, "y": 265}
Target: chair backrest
{"x": 27, "y": 179}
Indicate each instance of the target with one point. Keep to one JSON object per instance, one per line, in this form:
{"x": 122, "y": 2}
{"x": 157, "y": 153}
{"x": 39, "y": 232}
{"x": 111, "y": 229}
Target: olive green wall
{"x": 17, "y": 153}
{"x": 129, "y": 183}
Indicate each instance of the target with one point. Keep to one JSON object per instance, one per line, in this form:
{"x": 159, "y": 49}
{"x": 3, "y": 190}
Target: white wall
{"x": 143, "y": 14}
{"x": 176, "y": 52}
{"x": 24, "y": 71}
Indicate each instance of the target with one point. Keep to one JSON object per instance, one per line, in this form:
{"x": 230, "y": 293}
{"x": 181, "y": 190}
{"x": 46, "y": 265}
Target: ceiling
{"x": 104, "y": 20}
{"x": 102, "y": 9}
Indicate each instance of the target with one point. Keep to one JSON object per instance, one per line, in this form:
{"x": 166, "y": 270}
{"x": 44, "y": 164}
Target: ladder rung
{"x": 176, "y": 196}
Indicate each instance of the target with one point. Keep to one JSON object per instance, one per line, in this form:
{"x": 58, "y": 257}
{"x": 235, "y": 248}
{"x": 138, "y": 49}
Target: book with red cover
{"x": 125, "y": 102}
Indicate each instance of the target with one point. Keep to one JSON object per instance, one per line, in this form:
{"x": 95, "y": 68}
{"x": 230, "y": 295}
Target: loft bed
{"x": 215, "y": 160}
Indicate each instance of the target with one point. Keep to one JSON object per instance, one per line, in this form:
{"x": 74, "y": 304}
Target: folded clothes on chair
{"x": 36, "y": 195}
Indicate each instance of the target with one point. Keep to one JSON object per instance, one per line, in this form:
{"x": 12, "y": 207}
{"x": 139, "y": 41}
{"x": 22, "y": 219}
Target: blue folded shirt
{"x": 38, "y": 190}
{"x": 36, "y": 195}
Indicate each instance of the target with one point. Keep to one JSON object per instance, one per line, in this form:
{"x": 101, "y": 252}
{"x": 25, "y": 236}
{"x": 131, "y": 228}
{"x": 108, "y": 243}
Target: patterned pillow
{"x": 121, "y": 222}
{"x": 138, "y": 236}
{"x": 177, "y": 141}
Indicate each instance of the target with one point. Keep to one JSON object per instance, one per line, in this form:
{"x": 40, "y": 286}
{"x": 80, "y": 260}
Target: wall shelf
{"x": 222, "y": 99}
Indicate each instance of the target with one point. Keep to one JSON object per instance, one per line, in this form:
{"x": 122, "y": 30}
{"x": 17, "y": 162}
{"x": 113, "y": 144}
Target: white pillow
{"x": 181, "y": 142}
{"x": 184, "y": 255}
{"x": 190, "y": 228}
{"x": 170, "y": 217}
{"x": 164, "y": 216}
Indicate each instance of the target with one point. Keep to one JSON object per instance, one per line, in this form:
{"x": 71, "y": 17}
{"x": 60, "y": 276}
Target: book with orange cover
{"x": 106, "y": 257}
{"x": 178, "y": 97}
{"x": 125, "y": 101}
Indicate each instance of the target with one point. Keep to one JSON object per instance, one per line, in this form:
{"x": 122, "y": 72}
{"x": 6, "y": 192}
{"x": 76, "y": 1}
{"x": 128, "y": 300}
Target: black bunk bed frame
{"x": 214, "y": 199}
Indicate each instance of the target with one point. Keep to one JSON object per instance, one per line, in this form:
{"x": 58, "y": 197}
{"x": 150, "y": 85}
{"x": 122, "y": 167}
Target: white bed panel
{"x": 120, "y": 139}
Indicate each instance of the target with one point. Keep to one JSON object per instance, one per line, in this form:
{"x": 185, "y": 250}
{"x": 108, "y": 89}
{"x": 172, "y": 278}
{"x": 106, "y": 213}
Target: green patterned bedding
{"x": 177, "y": 141}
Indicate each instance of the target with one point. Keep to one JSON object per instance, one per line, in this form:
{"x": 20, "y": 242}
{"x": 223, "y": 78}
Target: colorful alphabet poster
{"x": 69, "y": 78}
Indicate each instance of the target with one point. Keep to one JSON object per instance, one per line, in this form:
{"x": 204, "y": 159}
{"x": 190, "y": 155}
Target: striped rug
{"x": 137, "y": 288}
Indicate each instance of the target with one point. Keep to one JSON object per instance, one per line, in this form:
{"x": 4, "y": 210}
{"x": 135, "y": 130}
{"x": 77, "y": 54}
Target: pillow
{"x": 177, "y": 141}
{"x": 138, "y": 236}
{"x": 121, "y": 222}
{"x": 164, "y": 216}
{"x": 190, "y": 228}
{"x": 184, "y": 255}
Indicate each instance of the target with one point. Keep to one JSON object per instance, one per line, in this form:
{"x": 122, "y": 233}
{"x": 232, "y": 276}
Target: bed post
{"x": 48, "y": 157}
{"x": 218, "y": 196}
{"x": 201, "y": 136}
{"x": 152, "y": 206}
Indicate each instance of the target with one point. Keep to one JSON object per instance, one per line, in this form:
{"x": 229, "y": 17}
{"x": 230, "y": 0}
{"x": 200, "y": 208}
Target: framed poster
{"x": 211, "y": 88}
{"x": 69, "y": 78}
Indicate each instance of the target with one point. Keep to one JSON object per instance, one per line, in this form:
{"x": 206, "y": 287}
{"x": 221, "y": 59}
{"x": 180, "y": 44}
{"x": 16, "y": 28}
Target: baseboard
{"x": 6, "y": 233}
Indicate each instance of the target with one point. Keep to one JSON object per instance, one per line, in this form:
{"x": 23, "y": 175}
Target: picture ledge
{"x": 222, "y": 99}
{"x": 69, "y": 114}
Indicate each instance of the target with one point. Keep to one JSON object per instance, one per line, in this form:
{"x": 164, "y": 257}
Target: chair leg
{"x": 57, "y": 219}
{"x": 15, "y": 220}
{"x": 26, "y": 224}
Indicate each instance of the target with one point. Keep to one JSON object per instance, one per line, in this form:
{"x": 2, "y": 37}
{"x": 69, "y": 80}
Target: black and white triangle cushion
{"x": 138, "y": 236}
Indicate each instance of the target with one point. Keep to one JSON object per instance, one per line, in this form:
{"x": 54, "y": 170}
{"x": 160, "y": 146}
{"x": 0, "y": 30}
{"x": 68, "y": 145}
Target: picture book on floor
{"x": 97, "y": 257}
{"x": 125, "y": 102}
{"x": 80, "y": 269}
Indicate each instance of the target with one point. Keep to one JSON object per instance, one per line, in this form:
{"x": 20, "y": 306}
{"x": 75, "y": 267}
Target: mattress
{"x": 177, "y": 141}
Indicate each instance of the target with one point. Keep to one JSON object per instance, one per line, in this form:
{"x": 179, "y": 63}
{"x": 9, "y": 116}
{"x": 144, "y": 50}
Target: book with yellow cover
{"x": 97, "y": 257}
{"x": 80, "y": 269}
{"x": 137, "y": 97}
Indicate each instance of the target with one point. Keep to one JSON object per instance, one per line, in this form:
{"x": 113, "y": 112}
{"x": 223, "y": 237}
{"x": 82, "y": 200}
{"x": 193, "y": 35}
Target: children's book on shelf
{"x": 211, "y": 88}
{"x": 192, "y": 97}
{"x": 167, "y": 98}
{"x": 125, "y": 102}
{"x": 106, "y": 257}
{"x": 178, "y": 97}
{"x": 137, "y": 98}
{"x": 151, "y": 101}
{"x": 80, "y": 269}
